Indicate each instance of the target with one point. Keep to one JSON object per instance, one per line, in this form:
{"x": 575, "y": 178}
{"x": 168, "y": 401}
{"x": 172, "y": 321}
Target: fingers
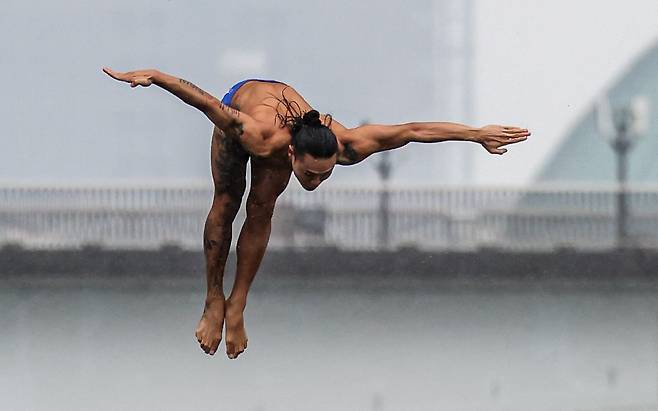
{"x": 143, "y": 81}
{"x": 504, "y": 135}
{"x": 135, "y": 78}
{"x": 117, "y": 75}
{"x": 518, "y": 132}
{"x": 512, "y": 140}
{"x": 513, "y": 129}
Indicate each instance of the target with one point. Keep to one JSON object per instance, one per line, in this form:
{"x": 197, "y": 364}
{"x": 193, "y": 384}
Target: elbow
{"x": 413, "y": 132}
{"x": 208, "y": 105}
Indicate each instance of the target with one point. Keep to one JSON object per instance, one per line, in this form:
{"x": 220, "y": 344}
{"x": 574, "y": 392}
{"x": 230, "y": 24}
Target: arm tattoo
{"x": 234, "y": 126}
{"x": 349, "y": 156}
{"x": 230, "y": 110}
{"x": 188, "y": 83}
{"x": 234, "y": 123}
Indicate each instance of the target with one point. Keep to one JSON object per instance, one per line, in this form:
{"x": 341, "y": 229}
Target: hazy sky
{"x": 538, "y": 64}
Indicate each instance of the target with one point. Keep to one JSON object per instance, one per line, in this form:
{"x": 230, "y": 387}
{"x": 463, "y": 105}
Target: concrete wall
{"x": 485, "y": 268}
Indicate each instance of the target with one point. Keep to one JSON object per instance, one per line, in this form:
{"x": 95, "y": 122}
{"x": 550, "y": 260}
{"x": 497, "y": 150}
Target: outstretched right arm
{"x": 226, "y": 118}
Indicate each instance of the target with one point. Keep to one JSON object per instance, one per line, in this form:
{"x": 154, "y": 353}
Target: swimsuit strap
{"x": 228, "y": 97}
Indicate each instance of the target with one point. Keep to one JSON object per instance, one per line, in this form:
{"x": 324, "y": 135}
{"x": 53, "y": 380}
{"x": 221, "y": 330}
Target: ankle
{"x": 215, "y": 296}
{"x": 238, "y": 300}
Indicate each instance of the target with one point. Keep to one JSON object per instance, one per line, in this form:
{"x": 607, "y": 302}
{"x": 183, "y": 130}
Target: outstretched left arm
{"x": 360, "y": 142}
{"x": 249, "y": 132}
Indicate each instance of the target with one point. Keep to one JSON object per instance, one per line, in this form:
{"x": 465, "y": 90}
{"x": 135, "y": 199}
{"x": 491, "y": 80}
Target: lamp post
{"x": 384, "y": 169}
{"x": 622, "y": 127}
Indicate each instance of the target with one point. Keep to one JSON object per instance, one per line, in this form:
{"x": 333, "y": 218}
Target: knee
{"x": 222, "y": 212}
{"x": 233, "y": 188}
{"x": 260, "y": 210}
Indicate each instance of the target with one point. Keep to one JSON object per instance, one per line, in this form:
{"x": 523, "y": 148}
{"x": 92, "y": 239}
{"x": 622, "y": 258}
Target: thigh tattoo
{"x": 229, "y": 167}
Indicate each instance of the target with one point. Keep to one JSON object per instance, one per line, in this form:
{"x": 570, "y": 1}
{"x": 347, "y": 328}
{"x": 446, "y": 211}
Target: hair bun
{"x": 297, "y": 124}
{"x": 312, "y": 118}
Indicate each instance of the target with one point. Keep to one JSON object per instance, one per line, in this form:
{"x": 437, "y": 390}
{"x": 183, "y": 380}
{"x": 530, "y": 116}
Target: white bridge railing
{"x": 150, "y": 215}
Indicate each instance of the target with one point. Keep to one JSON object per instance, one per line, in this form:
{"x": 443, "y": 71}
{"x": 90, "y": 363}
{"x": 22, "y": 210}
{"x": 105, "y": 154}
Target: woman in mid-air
{"x": 270, "y": 123}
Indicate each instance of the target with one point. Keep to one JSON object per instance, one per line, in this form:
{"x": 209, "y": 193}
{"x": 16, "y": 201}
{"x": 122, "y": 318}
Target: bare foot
{"x": 236, "y": 335}
{"x": 209, "y": 331}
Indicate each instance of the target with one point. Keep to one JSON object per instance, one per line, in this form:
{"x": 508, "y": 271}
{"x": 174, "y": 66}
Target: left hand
{"x": 493, "y": 137}
{"x": 142, "y": 78}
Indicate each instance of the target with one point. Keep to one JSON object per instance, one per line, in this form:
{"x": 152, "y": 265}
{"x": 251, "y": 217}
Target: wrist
{"x": 474, "y": 134}
{"x": 156, "y": 76}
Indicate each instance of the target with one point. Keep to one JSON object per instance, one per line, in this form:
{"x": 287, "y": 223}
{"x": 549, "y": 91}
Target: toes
{"x": 233, "y": 354}
{"x": 232, "y": 351}
{"x": 214, "y": 347}
{"x": 209, "y": 348}
{"x": 208, "y": 343}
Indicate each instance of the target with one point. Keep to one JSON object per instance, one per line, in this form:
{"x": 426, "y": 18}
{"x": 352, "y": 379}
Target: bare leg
{"x": 266, "y": 185}
{"x": 228, "y": 163}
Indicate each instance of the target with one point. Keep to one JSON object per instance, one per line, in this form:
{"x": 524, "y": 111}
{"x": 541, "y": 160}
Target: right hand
{"x": 142, "y": 78}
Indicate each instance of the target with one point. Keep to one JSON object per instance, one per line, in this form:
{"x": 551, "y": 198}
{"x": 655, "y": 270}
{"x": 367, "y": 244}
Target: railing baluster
{"x": 452, "y": 217}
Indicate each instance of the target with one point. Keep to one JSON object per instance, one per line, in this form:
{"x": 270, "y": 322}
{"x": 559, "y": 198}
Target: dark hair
{"x": 308, "y": 133}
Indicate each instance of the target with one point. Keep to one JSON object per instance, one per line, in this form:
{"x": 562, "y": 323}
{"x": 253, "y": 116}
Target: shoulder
{"x": 278, "y": 139}
{"x": 347, "y": 142}
{"x": 348, "y": 155}
{"x": 348, "y": 148}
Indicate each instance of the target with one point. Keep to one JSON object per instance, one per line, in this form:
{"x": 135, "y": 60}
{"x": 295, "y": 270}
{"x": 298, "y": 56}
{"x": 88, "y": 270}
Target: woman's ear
{"x": 291, "y": 152}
